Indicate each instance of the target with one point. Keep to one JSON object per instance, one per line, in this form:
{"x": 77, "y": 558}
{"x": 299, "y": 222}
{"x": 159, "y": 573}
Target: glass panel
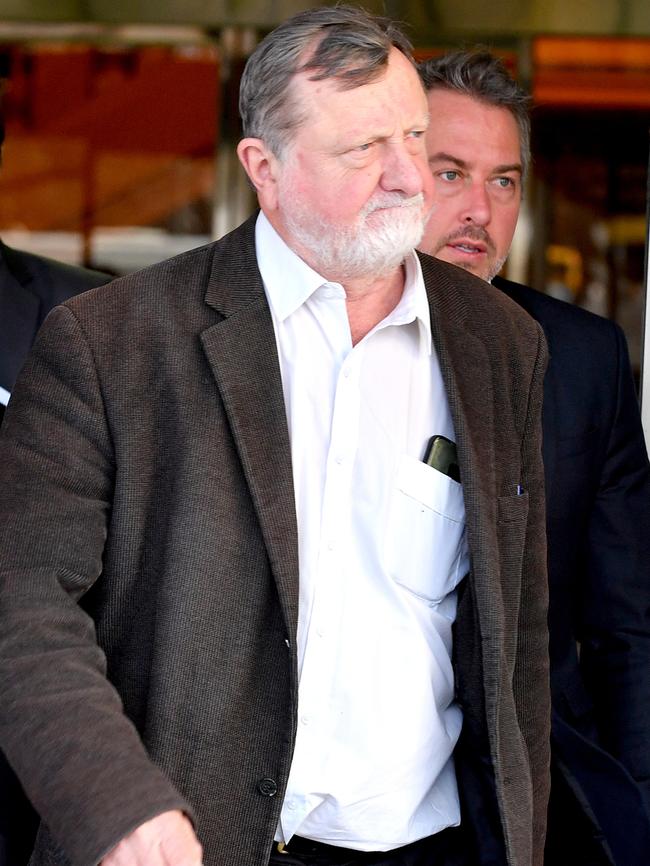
{"x": 109, "y": 155}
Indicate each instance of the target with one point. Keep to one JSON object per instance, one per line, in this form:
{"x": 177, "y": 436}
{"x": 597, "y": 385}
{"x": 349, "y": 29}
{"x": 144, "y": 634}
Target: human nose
{"x": 476, "y": 206}
{"x": 403, "y": 171}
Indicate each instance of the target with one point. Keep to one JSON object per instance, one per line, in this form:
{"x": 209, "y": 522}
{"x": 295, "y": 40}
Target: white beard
{"x": 388, "y": 228}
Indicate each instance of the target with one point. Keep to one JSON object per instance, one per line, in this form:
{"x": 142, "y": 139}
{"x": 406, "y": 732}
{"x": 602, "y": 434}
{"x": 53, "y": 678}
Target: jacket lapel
{"x": 242, "y": 354}
{"x": 550, "y": 431}
{"x": 527, "y": 300}
{"x": 465, "y": 364}
{"x": 19, "y": 316}
{"x": 466, "y": 370}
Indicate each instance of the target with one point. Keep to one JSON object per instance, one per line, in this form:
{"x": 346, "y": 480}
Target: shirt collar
{"x": 413, "y": 306}
{"x": 289, "y": 282}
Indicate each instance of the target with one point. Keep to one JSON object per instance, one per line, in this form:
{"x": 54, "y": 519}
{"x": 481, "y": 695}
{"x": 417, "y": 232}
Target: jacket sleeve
{"x": 62, "y": 725}
{"x": 531, "y": 672}
{"x": 614, "y": 604}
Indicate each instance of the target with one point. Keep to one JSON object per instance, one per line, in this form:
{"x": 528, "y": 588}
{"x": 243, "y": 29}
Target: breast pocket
{"x": 425, "y": 546}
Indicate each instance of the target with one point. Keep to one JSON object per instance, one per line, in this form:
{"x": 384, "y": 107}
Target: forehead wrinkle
{"x": 310, "y": 103}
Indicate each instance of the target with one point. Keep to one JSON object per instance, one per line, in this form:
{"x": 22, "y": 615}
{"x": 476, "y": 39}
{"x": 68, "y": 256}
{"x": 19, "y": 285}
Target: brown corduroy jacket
{"x": 149, "y": 565}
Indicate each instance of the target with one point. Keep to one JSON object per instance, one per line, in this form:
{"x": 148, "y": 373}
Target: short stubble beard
{"x": 476, "y": 233}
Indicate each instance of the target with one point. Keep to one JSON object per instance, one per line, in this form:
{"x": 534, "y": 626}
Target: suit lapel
{"x": 466, "y": 369}
{"x": 550, "y": 430}
{"x": 242, "y": 354}
{"x": 19, "y": 316}
{"x": 465, "y": 364}
{"x": 526, "y": 298}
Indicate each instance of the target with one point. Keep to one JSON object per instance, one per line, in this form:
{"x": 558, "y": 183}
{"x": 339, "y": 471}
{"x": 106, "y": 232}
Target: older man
{"x": 246, "y": 596}
{"x": 597, "y": 476}
{"x": 30, "y": 286}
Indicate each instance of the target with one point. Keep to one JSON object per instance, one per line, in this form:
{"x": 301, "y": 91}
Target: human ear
{"x": 260, "y": 164}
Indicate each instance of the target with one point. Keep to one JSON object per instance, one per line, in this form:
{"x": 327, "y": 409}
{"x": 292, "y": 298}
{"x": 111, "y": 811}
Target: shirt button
{"x": 330, "y": 545}
{"x": 339, "y": 460}
{"x": 304, "y": 720}
{"x": 267, "y": 787}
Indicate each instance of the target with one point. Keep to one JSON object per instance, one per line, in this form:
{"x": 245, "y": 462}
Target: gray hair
{"x": 481, "y": 75}
{"x": 341, "y": 42}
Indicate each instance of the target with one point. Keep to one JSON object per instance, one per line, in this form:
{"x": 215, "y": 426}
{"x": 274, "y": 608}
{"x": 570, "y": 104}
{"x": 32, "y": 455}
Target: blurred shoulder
{"x": 182, "y": 284}
{"x": 50, "y": 280}
{"x": 559, "y": 319}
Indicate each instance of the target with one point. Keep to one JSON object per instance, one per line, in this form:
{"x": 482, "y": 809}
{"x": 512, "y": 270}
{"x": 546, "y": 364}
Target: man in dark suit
{"x": 243, "y": 600}
{"x": 597, "y": 476}
{"x": 30, "y": 286}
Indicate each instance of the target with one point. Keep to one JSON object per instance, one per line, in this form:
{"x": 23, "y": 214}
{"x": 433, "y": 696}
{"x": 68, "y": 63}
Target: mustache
{"x": 392, "y": 199}
{"x": 471, "y": 233}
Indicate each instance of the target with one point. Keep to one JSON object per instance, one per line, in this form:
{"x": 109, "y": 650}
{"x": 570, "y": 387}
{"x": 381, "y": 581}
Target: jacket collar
{"x": 19, "y": 315}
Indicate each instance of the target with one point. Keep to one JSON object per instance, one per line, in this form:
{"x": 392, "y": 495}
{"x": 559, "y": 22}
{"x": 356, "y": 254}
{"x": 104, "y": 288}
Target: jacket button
{"x": 267, "y": 787}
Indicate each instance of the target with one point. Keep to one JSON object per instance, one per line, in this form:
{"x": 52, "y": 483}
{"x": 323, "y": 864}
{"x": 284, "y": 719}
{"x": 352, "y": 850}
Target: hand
{"x": 166, "y": 840}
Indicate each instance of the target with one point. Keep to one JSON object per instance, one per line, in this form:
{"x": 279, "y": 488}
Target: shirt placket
{"x": 317, "y": 710}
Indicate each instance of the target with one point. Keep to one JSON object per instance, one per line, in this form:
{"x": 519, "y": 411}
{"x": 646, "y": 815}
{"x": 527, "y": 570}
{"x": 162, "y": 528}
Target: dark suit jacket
{"x": 29, "y": 287}
{"x": 598, "y": 510}
{"x": 145, "y": 464}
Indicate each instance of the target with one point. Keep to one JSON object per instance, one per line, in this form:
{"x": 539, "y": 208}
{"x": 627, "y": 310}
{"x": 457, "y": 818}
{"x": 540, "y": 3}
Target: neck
{"x": 369, "y": 300}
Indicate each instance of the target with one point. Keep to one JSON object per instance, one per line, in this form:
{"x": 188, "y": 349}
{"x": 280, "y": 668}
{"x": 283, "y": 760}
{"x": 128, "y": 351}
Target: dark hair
{"x": 341, "y": 42}
{"x": 481, "y": 75}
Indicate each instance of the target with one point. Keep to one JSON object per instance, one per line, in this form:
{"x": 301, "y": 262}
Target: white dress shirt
{"x": 381, "y": 549}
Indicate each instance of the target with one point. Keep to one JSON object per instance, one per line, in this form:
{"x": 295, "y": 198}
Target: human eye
{"x": 449, "y": 175}
{"x": 414, "y": 141}
{"x": 505, "y": 183}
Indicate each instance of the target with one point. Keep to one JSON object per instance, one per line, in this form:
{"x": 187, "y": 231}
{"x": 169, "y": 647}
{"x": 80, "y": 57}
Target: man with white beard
{"x": 294, "y": 480}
